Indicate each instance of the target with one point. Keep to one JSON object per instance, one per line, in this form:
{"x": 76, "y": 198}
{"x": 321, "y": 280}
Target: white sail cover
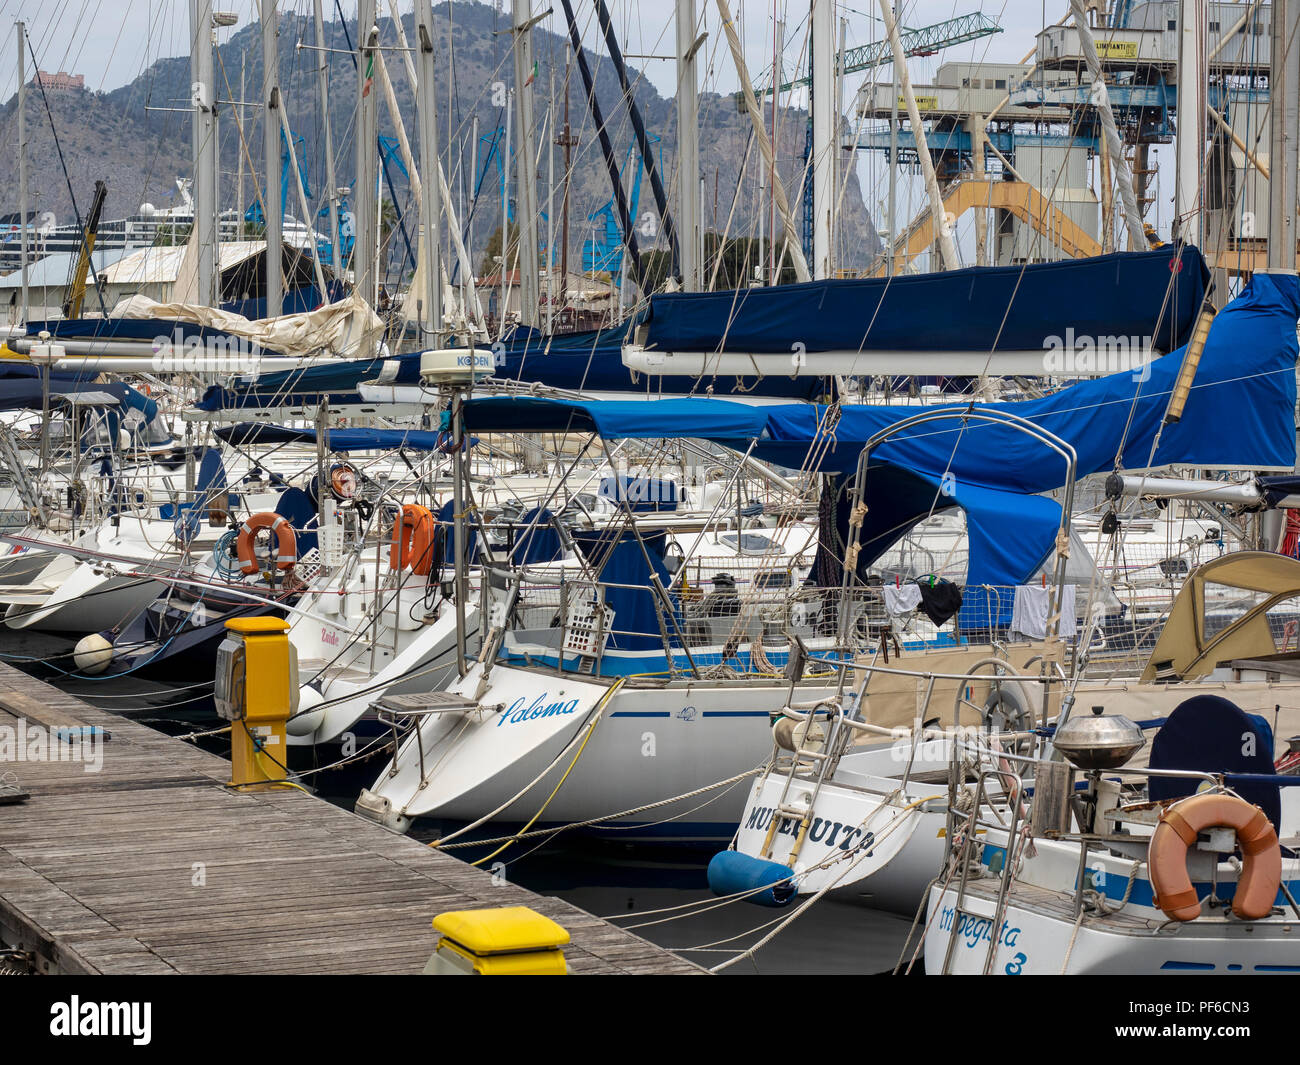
{"x": 349, "y": 328}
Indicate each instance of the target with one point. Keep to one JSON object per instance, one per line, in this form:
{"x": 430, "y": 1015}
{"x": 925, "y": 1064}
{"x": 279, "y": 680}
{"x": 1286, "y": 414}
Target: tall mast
{"x": 550, "y": 208}
{"x": 824, "y": 113}
{"x": 204, "y": 152}
{"x": 239, "y": 154}
{"x": 688, "y": 146}
{"x": 1193, "y": 92}
{"x": 893, "y": 169}
{"x": 506, "y": 162}
{"x": 272, "y": 203}
{"x": 526, "y": 166}
{"x": 332, "y": 191}
{"x": 22, "y": 161}
{"x": 430, "y": 198}
{"x": 364, "y": 207}
{"x": 1283, "y": 87}
{"x": 476, "y": 187}
{"x": 566, "y": 141}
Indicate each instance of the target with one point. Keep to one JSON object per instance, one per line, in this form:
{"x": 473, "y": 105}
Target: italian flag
{"x": 532, "y": 75}
{"x": 370, "y": 75}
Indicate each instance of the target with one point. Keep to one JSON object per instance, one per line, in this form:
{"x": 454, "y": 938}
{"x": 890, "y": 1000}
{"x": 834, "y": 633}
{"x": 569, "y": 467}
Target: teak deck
{"x": 152, "y": 865}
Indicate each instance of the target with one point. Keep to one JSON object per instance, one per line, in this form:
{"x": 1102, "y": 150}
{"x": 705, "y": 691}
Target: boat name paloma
{"x": 517, "y": 711}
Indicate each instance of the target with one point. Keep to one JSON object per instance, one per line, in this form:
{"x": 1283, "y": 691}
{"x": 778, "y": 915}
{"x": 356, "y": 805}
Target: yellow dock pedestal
{"x": 257, "y": 692}
{"x": 503, "y": 941}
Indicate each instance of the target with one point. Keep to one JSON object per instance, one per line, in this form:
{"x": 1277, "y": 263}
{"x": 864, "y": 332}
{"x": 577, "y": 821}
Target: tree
{"x": 740, "y": 256}
{"x": 488, "y": 264}
{"x": 172, "y": 235}
{"x": 387, "y": 221}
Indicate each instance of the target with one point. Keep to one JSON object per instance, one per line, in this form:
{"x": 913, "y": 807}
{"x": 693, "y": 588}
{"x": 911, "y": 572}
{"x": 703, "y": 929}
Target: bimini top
{"x": 335, "y": 439}
{"x": 1186, "y": 650}
{"x": 996, "y": 473}
{"x": 620, "y": 419}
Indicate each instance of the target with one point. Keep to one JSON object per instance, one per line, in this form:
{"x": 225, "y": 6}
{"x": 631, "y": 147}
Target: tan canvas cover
{"x": 348, "y": 328}
{"x": 1183, "y": 642}
{"x": 892, "y": 700}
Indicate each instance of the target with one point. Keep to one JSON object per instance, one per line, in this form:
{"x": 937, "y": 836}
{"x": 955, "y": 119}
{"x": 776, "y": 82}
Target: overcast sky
{"x": 113, "y": 41}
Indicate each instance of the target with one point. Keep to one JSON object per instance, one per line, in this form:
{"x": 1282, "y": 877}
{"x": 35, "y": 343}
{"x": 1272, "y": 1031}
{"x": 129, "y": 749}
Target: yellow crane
{"x": 76, "y": 291}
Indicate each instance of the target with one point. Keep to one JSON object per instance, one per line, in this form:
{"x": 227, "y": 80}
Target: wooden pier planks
{"x": 150, "y": 865}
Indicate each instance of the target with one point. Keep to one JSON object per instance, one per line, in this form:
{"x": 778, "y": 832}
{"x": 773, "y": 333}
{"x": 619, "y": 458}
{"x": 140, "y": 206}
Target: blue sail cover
{"x": 332, "y": 382}
{"x": 985, "y": 309}
{"x": 139, "y": 329}
{"x": 593, "y": 362}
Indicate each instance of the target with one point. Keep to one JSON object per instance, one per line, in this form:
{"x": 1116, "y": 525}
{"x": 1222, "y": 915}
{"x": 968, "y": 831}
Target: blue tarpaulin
{"x": 1152, "y": 294}
{"x": 622, "y": 561}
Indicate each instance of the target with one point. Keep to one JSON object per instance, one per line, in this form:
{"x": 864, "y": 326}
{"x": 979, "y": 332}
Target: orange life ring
{"x": 286, "y": 542}
{"x": 412, "y": 540}
{"x": 1261, "y": 865}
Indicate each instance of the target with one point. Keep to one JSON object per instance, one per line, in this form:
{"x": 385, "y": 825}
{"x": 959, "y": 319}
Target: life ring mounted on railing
{"x": 412, "y": 540}
{"x": 285, "y": 553}
{"x": 1261, "y": 856}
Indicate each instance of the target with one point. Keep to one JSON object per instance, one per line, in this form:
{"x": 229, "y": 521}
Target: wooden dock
{"x": 152, "y": 865}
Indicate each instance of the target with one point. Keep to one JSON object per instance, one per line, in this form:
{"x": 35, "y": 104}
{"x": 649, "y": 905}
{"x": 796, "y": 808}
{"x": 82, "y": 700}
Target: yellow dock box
{"x": 256, "y": 690}
{"x": 503, "y": 941}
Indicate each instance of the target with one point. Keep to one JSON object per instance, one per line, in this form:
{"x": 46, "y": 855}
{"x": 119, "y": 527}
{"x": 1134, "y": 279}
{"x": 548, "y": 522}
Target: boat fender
{"x": 286, "y": 542}
{"x": 1261, "y": 856}
{"x": 731, "y": 872}
{"x": 93, "y": 653}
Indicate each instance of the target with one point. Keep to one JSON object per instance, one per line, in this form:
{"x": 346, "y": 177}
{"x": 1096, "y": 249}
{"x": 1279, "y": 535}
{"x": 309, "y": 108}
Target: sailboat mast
{"x": 567, "y": 142}
{"x": 893, "y": 169}
{"x": 323, "y": 91}
{"x": 431, "y": 199}
{"x": 550, "y": 208}
{"x": 272, "y": 207}
{"x": 1193, "y": 91}
{"x": 204, "y": 152}
{"x": 506, "y": 164}
{"x": 1283, "y": 87}
{"x": 239, "y": 154}
{"x": 22, "y": 165}
{"x": 825, "y": 110}
{"x": 688, "y": 146}
{"x": 526, "y": 165}
{"x": 363, "y": 191}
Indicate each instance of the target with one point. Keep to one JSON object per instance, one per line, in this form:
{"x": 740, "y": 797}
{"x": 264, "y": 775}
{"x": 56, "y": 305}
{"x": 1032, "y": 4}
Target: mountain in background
{"x": 137, "y": 137}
